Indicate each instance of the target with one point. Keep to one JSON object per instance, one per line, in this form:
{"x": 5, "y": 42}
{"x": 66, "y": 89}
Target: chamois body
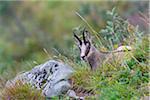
{"x": 95, "y": 58}
{"x": 92, "y": 56}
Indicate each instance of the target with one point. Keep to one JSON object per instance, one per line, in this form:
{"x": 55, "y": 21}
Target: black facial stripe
{"x": 80, "y": 49}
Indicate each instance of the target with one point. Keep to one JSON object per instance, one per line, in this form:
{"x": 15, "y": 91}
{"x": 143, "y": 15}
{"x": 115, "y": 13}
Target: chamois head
{"x": 84, "y": 44}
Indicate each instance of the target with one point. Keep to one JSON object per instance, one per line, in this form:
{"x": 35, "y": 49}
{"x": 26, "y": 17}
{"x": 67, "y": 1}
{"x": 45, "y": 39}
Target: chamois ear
{"x": 88, "y": 36}
{"x": 77, "y": 39}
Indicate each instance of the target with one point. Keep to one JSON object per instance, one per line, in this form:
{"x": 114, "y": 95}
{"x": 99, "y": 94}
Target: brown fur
{"x": 96, "y": 58}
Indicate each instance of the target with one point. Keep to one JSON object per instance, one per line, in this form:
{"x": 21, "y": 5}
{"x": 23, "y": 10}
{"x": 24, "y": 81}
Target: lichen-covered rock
{"x": 50, "y": 77}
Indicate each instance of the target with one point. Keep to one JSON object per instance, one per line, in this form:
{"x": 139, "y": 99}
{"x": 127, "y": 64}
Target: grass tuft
{"x": 21, "y": 91}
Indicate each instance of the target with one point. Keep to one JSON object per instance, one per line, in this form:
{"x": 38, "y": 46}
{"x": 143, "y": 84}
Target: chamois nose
{"x": 83, "y": 57}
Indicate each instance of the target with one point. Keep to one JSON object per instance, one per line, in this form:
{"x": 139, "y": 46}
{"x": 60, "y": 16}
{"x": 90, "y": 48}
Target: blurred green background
{"x": 29, "y": 28}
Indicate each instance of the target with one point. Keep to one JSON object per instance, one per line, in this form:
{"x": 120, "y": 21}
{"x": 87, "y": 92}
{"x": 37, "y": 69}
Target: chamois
{"x": 90, "y": 54}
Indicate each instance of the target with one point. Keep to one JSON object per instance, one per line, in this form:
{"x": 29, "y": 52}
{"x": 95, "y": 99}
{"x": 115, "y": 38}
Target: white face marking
{"x": 83, "y": 50}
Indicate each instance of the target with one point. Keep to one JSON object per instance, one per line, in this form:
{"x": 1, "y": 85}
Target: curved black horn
{"x": 83, "y": 33}
{"x": 80, "y": 42}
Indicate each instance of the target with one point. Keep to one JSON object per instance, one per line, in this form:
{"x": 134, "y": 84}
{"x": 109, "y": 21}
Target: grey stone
{"x": 72, "y": 94}
{"x": 57, "y": 89}
{"x": 50, "y": 77}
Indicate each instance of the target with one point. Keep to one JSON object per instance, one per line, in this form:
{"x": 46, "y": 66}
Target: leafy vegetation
{"x": 116, "y": 30}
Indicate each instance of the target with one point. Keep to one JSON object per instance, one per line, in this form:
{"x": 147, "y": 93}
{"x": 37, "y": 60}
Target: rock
{"x": 72, "y": 94}
{"x": 57, "y": 89}
{"x": 50, "y": 77}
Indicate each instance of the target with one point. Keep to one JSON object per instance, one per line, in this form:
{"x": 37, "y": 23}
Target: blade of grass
{"x": 95, "y": 33}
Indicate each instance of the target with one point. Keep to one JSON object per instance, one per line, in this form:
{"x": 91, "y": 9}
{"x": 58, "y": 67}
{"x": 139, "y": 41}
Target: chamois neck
{"x": 95, "y": 58}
